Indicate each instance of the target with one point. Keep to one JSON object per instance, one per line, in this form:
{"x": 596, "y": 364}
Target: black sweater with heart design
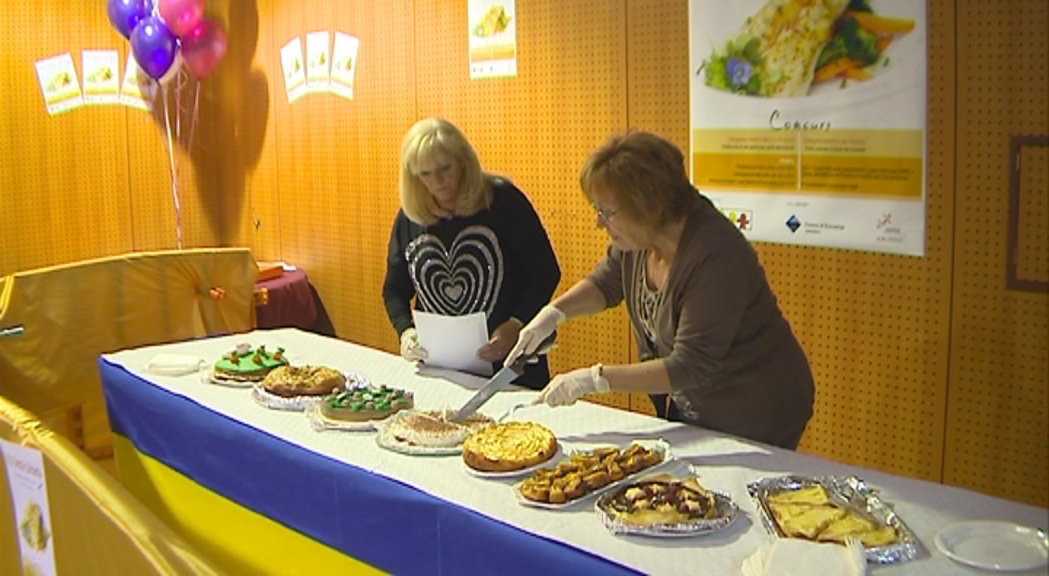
{"x": 498, "y": 261}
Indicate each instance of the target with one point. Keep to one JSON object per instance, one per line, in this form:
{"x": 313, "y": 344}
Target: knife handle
{"x": 545, "y": 346}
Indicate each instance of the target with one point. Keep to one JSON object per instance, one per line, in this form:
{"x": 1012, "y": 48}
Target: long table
{"x": 188, "y": 445}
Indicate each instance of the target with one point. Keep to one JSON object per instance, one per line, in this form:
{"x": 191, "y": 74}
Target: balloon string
{"x": 193, "y": 119}
{"x": 174, "y": 176}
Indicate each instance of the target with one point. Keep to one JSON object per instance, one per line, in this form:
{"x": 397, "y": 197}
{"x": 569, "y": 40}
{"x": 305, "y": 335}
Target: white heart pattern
{"x": 462, "y": 280}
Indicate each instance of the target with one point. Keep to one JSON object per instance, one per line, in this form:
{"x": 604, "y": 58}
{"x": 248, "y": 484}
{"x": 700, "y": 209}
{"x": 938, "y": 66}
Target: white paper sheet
{"x": 452, "y": 341}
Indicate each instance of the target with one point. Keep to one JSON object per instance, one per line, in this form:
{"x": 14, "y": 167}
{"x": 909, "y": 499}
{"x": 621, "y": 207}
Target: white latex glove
{"x": 532, "y": 335}
{"x": 566, "y": 388}
{"x": 410, "y": 348}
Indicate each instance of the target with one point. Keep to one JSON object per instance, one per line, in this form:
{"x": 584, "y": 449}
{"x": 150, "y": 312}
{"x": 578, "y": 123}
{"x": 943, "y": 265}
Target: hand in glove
{"x": 566, "y": 388}
{"x": 533, "y": 334}
{"x": 410, "y": 348}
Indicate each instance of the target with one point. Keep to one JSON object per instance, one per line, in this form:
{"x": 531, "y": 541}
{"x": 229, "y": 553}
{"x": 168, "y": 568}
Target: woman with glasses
{"x": 465, "y": 241}
{"x": 715, "y": 349}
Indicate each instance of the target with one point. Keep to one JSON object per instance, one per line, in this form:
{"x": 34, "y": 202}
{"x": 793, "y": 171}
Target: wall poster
{"x": 808, "y": 120}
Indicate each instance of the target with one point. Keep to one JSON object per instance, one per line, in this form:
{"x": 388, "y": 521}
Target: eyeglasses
{"x": 605, "y": 215}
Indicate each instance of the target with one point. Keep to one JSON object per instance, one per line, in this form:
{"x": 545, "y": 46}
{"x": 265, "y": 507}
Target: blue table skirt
{"x": 385, "y": 523}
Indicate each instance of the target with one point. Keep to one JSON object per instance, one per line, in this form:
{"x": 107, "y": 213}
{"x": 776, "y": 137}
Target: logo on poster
{"x": 743, "y": 219}
{"x": 793, "y": 223}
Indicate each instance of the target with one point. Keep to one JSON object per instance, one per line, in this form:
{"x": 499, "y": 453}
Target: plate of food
{"x": 835, "y": 509}
{"x": 295, "y": 388}
{"x": 584, "y": 474}
{"x": 244, "y": 366}
{"x": 428, "y": 432}
{"x": 665, "y": 506}
{"x": 358, "y": 407}
{"x": 509, "y": 450}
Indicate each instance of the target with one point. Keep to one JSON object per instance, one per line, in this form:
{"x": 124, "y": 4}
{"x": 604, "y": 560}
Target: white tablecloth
{"x": 725, "y": 464}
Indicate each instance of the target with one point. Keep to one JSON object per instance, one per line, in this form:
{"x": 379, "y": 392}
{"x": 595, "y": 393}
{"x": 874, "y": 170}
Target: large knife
{"x": 502, "y": 379}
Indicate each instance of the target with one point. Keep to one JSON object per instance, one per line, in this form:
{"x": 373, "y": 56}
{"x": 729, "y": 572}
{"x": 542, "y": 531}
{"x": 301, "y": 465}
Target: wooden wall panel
{"x": 537, "y": 128}
{"x": 337, "y": 160}
{"x": 63, "y": 179}
{"x": 998, "y": 410}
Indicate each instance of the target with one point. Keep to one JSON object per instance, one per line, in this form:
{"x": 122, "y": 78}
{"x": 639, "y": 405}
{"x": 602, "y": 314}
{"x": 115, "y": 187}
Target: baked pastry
{"x": 366, "y": 403}
{"x": 808, "y": 513}
{"x": 292, "y": 381}
{"x": 508, "y": 447}
{"x": 434, "y": 428}
{"x": 585, "y": 472}
{"x": 246, "y": 364}
{"x": 661, "y": 500}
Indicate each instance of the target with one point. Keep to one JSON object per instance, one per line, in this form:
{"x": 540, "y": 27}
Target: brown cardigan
{"x": 734, "y": 363}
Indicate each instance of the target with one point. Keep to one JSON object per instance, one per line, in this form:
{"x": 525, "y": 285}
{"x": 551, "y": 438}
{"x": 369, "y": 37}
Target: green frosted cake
{"x": 248, "y": 364}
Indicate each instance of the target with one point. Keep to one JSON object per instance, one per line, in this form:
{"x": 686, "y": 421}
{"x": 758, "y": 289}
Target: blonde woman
{"x": 465, "y": 241}
{"x": 715, "y": 349}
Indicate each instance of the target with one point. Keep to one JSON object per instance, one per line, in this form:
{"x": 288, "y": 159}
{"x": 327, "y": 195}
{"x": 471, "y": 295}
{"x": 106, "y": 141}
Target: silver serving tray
{"x": 852, "y": 493}
{"x": 727, "y": 512}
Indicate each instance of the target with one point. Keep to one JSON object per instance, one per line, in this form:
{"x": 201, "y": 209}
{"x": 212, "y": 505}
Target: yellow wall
{"x": 926, "y": 367}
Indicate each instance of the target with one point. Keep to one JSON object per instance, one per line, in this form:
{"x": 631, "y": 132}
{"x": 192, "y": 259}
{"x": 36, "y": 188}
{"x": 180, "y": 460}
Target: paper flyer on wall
{"x": 134, "y": 90}
{"x": 28, "y": 486}
{"x": 817, "y": 137}
{"x": 59, "y": 84}
{"x": 344, "y": 64}
{"x": 318, "y": 62}
{"x": 294, "y": 69}
{"x": 101, "y": 76}
{"x": 492, "y": 29}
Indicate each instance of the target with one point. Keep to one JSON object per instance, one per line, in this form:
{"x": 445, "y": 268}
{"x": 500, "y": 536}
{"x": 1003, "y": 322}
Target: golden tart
{"x": 509, "y": 446}
{"x": 292, "y": 381}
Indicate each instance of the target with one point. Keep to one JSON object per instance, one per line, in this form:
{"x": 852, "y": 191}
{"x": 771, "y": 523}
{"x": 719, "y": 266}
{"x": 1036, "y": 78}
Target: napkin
{"x": 791, "y": 556}
{"x": 167, "y": 364}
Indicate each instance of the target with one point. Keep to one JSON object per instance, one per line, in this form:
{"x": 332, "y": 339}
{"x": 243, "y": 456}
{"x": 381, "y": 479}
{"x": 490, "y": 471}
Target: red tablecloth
{"x": 291, "y": 302}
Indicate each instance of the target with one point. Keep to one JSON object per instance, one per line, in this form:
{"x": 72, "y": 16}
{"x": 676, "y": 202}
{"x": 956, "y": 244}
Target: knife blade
{"x": 501, "y": 380}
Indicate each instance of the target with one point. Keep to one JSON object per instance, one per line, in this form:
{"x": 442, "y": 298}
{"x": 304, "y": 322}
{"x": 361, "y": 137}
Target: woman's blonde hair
{"x": 646, "y": 175}
{"x": 423, "y": 141}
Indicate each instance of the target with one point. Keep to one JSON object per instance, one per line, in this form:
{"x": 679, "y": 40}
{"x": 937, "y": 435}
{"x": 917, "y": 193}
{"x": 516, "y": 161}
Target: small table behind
{"x": 290, "y": 301}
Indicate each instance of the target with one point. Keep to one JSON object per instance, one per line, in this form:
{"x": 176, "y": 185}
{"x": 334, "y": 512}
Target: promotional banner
{"x": 25, "y": 475}
{"x": 58, "y": 82}
{"x": 808, "y": 119}
{"x": 493, "y": 38}
{"x": 291, "y": 60}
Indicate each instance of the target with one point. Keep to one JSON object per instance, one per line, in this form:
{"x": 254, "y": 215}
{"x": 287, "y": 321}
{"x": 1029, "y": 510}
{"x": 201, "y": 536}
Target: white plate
{"x": 320, "y": 422}
{"x": 555, "y": 457}
{"x": 386, "y": 439}
{"x": 660, "y": 446}
{"x": 207, "y": 376}
{"x": 1000, "y": 546}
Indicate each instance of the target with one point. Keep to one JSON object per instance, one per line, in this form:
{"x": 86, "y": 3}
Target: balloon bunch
{"x": 171, "y": 30}
{"x": 163, "y": 36}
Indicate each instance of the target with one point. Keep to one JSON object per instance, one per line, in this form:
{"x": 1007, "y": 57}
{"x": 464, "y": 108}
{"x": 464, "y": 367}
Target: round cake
{"x": 366, "y": 403}
{"x": 433, "y": 429}
{"x": 247, "y": 364}
{"x": 291, "y": 381}
{"x": 509, "y": 446}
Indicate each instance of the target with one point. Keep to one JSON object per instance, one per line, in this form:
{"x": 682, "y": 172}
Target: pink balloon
{"x": 181, "y": 16}
{"x": 204, "y": 48}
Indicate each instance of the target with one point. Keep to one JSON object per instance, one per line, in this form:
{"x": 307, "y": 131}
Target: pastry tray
{"x": 848, "y": 492}
{"x": 660, "y": 446}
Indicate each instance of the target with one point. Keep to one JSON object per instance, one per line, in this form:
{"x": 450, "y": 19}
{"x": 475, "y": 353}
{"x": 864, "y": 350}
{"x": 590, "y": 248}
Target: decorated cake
{"x": 248, "y": 364}
{"x": 433, "y": 428}
{"x": 292, "y": 381}
{"x": 509, "y": 446}
{"x": 366, "y": 403}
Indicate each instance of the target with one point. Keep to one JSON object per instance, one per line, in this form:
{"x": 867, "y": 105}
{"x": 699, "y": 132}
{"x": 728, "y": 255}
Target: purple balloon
{"x": 154, "y": 46}
{"x": 126, "y": 14}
